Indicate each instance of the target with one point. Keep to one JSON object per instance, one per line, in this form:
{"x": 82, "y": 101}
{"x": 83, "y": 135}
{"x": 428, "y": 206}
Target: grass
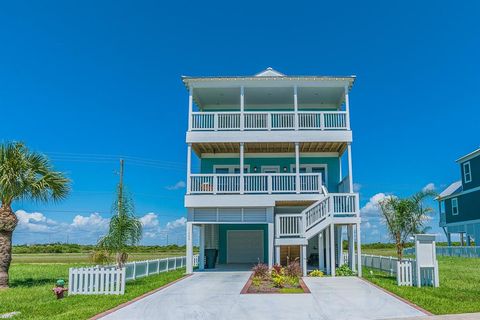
{"x": 459, "y": 290}
{"x": 83, "y": 258}
{"x": 33, "y": 275}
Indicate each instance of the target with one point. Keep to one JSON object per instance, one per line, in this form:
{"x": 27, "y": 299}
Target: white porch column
{"x": 347, "y": 108}
{"x": 190, "y": 108}
{"x": 332, "y": 250}
{"x": 295, "y": 106}
{"x": 189, "y": 167}
{"x": 303, "y": 256}
{"x": 359, "y": 251}
{"x": 339, "y": 245}
{"x": 297, "y": 167}
{"x": 242, "y": 108}
{"x": 350, "y": 173}
{"x": 351, "y": 248}
{"x": 277, "y": 254}
{"x": 270, "y": 244}
{"x": 327, "y": 250}
{"x": 201, "y": 254}
{"x": 189, "y": 239}
{"x": 242, "y": 159}
{"x": 321, "y": 251}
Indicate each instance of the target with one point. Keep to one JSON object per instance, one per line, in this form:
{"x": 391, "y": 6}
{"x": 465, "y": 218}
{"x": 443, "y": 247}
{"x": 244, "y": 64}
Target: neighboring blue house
{"x": 460, "y": 202}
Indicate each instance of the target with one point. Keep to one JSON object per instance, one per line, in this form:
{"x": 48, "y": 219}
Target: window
{"x": 454, "y": 206}
{"x": 467, "y": 172}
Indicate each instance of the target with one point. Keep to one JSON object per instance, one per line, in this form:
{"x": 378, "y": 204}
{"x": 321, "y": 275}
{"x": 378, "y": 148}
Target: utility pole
{"x": 120, "y": 188}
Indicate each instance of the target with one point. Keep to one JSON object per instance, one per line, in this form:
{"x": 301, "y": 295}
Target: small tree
{"x": 405, "y": 217}
{"x": 24, "y": 175}
{"x": 125, "y": 229}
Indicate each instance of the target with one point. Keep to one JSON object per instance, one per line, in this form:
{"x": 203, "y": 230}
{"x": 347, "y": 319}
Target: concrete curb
{"x": 123, "y": 305}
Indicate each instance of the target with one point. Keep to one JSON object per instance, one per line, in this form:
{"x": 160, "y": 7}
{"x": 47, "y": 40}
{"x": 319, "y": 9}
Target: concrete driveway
{"x": 216, "y": 295}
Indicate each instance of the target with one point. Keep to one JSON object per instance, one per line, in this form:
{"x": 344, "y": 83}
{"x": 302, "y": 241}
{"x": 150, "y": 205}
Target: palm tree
{"x": 125, "y": 229}
{"x": 24, "y": 175}
{"x": 405, "y": 217}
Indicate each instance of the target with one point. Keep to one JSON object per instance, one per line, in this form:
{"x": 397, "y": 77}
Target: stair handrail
{"x": 320, "y": 210}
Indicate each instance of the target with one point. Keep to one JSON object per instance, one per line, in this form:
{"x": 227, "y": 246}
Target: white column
{"x": 189, "y": 167}
{"x": 359, "y": 252}
{"x": 327, "y": 251}
{"x": 297, "y": 167}
{"x": 347, "y": 108}
{"x": 190, "y": 108}
{"x": 351, "y": 248}
{"x": 332, "y": 250}
{"x": 295, "y": 106}
{"x": 189, "y": 239}
{"x": 242, "y": 108}
{"x": 350, "y": 173}
{"x": 270, "y": 244}
{"x": 242, "y": 159}
{"x": 303, "y": 256}
{"x": 201, "y": 254}
{"x": 277, "y": 254}
{"x": 321, "y": 249}
{"x": 339, "y": 245}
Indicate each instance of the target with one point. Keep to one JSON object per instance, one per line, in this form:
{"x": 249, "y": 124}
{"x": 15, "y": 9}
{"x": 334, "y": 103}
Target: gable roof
{"x": 469, "y": 156}
{"x": 269, "y": 72}
{"x": 455, "y": 187}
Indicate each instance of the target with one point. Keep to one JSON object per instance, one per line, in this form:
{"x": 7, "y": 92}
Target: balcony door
{"x": 314, "y": 168}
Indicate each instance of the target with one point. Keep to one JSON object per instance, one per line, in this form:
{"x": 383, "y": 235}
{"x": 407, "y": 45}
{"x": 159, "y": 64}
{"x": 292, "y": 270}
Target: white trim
{"x": 461, "y": 193}
{"x": 469, "y": 156}
{"x": 270, "y": 168}
{"x": 272, "y": 155}
{"x": 456, "y": 207}
{"x": 309, "y": 167}
{"x": 461, "y": 223}
{"x": 231, "y": 167}
{"x": 465, "y": 165}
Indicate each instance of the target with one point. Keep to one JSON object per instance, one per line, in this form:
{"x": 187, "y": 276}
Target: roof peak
{"x": 270, "y": 72}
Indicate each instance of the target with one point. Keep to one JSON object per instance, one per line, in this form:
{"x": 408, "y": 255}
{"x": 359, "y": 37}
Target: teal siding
{"x": 222, "y": 239}
{"x": 468, "y": 207}
{"x": 475, "y": 170}
{"x": 333, "y": 170}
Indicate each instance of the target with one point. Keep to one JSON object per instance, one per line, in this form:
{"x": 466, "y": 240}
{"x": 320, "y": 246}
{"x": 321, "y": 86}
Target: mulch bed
{"x": 266, "y": 286}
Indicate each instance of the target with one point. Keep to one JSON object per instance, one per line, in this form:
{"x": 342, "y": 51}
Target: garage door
{"x": 244, "y": 246}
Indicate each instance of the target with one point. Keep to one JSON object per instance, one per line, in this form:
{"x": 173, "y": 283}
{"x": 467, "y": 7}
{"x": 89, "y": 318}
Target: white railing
{"x": 96, "y": 280}
{"x": 344, "y": 203}
{"x": 316, "y": 212}
{"x": 111, "y": 280}
{"x": 307, "y": 120}
{"x": 289, "y": 225}
{"x": 255, "y": 183}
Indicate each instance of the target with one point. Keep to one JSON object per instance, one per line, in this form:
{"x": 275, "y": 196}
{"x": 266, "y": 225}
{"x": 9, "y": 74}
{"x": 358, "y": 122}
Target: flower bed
{"x": 276, "y": 280}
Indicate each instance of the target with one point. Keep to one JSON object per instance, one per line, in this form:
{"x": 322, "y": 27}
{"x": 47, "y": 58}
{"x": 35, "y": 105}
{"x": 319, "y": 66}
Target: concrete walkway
{"x": 212, "y": 295}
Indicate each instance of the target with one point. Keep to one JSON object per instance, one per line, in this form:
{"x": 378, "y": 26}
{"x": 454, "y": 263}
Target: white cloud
{"x": 429, "y": 187}
{"x": 357, "y": 187}
{"x": 93, "y": 222}
{"x": 180, "y": 222}
{"x": 149, "y": 220}
{"x": 179, "y": 185}
{"x": 34, "y": 222}
{"x": 371, "y": 207}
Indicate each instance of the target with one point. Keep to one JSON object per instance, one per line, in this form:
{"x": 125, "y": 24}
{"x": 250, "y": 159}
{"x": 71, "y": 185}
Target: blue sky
{"x": 86, "y": 81}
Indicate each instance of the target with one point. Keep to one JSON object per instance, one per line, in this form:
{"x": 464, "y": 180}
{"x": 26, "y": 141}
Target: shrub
{"x": 277, "y": 269}
{"x": 256, "y": 281}
{"x": 100, "y": 257}
{"x": 344, "y": 271}
{"x": 260, "y": 270}
{"x": 316, "y": 273}
{"x": 293, "y": 269}
{"x": 279, "y": 281}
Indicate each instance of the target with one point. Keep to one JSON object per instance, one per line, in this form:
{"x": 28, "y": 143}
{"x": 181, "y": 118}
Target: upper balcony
{"x": 284, "y": 109}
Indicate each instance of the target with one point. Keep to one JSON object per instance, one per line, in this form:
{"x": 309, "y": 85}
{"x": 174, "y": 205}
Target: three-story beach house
{"x": 459, "y": 203}
{"x": 274, "y": 181}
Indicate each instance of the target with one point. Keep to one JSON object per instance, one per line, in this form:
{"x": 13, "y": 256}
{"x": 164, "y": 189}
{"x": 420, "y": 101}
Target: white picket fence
{"x": 403, "y": 269}
{"x": 111, "y": 280}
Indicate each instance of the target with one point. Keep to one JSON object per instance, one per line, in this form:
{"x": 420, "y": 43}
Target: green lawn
{"x": 459, "y": 290}
{"x": 31, "y": 287}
